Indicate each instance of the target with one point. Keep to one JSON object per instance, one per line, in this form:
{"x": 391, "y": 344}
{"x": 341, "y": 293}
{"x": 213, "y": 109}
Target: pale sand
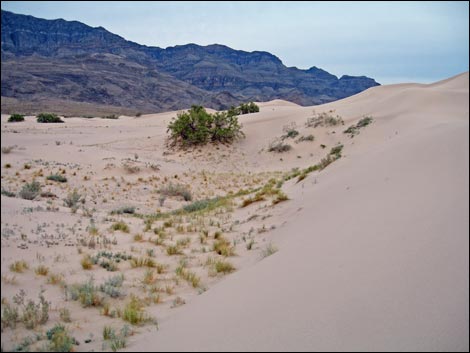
{"x": 373, "y": 250}
{"x": 374, "y": 256}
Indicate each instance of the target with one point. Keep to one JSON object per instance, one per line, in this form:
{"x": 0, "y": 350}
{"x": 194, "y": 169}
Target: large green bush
{"x": 15, "y": 118}
{"x": 48, "y": 118}
{"x": 244, "y": 108}
{"x": 197, "y": 126}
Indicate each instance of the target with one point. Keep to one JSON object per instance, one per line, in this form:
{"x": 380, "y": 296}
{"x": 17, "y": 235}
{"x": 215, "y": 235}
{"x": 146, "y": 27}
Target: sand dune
{"x": 373, "y": 252}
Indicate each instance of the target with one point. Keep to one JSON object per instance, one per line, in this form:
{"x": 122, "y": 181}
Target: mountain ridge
{"x": 69, "y": 60}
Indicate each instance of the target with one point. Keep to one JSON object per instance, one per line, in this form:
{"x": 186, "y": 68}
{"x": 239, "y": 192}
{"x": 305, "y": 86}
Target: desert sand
{"x": 372, "y": 251}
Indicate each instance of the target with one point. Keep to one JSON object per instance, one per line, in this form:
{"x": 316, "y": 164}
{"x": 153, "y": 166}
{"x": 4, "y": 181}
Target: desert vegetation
{"x": 48, "y": 118}
{"x": 197, "y": 126}
{"x": 15, "y": 118}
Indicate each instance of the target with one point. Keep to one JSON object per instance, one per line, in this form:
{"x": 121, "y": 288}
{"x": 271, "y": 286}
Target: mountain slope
{"x": 69, "y": 60}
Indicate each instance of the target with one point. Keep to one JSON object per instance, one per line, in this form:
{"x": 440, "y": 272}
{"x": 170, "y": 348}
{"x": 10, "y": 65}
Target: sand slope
{"x": 374, "y": 251}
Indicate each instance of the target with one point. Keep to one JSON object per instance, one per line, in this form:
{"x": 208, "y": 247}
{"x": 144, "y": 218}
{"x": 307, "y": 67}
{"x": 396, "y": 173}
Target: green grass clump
{"x": 19, "y": 266}
{"x": 15, "y": 118}
{"x": 203, "y": 205}
{"x": 124, "y": 209}
{"x": 41, "y": 270}
{"x": 59, "y": 339}
{"x": 324, "y": 119}
{"x": 8, "y": 193}
{"x": 187, "y": 275}
{"x": 280, "y": 197}
{"x": 133, "y": 312}
{"x": 176, "y": 190}
{"x": 223, "y": 247}
{"x": 121, "y": 226}
{"x": 48, "y": 118}
{"x": 57, "y": 177}
{"x": 353, "y": 130}
{"x": 86, "y": 293}
{"x": 173, "y": 250}
{"x": 30, "y": 191}
{"x": 223, "y": 267}
{"x": 86, "y": 262}
{"x": 112, "y": 286}
{"x": 268, "y": 250}
{"x": 73, "y": 199}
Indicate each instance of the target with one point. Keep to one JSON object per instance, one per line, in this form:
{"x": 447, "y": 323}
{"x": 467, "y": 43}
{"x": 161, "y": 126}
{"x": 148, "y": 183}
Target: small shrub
{"x": 280, "y": 197}
{"x": 112, "y": 116}
{"x": 73, "y": 199}
{"x": 48, "y": 118}
{"x": 86, "y": 294}
{"x": 353, "y": 130}
{"x": 223, "y": 247}
{"x": 64, "y": 315}
{"x": 176, "y": 190}
{"x": 15, "y": 118}
{"x": 133, "y": 312}
{"x": 57, "y": 177}
{"x": 268, "y": 250}
{"x": 19, "y": 266}
{"x": 130, "y": 167}
{"x": 86, "y": 262}
{"x": 10, "y": 315}
{"x": 277, "y": 145}
{"x": 7, "y": 149}
{"x": 290, "y": 131}
{"x": 187, "y": 275}
{"x": 30, "y": 191}
{"x": 60, "y": 339}
{"x": 54, "y": 278}
{"x": 121, "y": 226}
{"x": 173, "y": 250}
{"x": 124, "y": 209}
{"x": 8, "y": 193}
{"x": 324, "y": 119}
{"x": 108, "y": 332}
{"x": 306, "y": 138}
{"x": 41, "y": 270}
{"x": 223, "y": 267}
{"x": 112, "y": 286}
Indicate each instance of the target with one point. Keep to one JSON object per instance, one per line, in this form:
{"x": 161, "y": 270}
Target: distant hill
{"x": 50, "y": 61}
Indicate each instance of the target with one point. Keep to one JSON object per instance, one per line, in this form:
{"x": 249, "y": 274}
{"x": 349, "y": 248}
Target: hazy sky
{"x": 389, "y": 41}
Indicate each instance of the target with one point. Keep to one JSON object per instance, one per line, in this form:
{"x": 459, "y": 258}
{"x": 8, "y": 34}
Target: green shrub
{"x": 48, "y": 118}
{"x": 246, "y": 108}
{"x": 122, "y": 226}
{"x": 197, "y": 126}
{"x": 277, "y": 145}
{"x": 324, "y": 119}
{"x": 57, "y": 177}
{"x": 8, "y": 193}
{"x": 19, "y": 266}
{"x": 15, "y": 118}
{"x": 133, "y": 312}
{"x": 86, "y": 294}
{"x": 223, "y": 267}
{"x": 124, "y": 209}
{"x": 176, "y": 190}
{"x": 73, "y": 199}
{"x": 353, "y": 130}
{"x": 60, "y": 340}
{"x": 30, "y": 191}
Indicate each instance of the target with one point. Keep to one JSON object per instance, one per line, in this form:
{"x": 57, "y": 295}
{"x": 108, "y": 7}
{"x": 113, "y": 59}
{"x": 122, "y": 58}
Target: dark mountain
{"x": 70, "y": 61}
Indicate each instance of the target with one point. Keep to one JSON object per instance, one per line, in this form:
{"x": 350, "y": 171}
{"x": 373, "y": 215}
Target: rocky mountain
{"x": 68, "y": 61}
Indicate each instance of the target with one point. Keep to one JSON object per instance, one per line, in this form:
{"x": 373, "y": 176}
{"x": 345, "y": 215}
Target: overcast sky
{"x": 389, "y": 41}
